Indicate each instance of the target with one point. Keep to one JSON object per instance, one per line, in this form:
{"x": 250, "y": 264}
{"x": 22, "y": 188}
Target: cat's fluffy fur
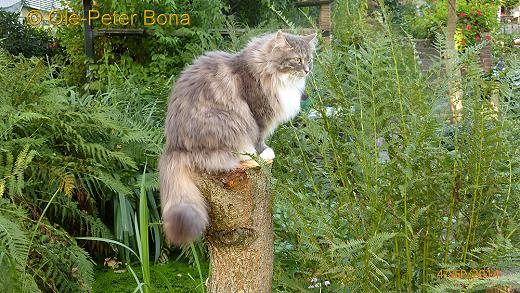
{"x": 222, "y": 106}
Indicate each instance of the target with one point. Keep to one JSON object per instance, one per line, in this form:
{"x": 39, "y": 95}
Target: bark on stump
{"x": 240, "y": 235}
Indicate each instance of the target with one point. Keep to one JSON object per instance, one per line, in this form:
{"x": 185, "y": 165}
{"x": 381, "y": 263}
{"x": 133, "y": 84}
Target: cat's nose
{"x": 306, "y": 69}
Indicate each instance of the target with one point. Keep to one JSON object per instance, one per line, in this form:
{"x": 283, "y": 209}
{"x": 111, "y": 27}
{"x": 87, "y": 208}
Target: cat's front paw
{"x": 267, "y": 154}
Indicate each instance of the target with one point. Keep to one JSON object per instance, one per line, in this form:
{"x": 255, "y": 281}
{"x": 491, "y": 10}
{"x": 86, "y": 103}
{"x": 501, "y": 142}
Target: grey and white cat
{"x": 223, "y": 106}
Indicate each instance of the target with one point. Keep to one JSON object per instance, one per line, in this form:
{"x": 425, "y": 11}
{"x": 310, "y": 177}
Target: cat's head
{"x": 287, "y": 55}
{"x": 292, "y": 55}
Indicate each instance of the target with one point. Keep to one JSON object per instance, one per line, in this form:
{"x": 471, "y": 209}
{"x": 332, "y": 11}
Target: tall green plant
{"x": 142, "y": 229}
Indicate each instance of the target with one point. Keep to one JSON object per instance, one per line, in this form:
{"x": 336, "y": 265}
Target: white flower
{"x": 314, "y": 280}
{"x": 311, "y": 286}
{"x": 326, "y": 283}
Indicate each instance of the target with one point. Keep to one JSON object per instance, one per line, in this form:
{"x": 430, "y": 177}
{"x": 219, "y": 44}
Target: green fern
{"x": 13, "y": 241}
{"x": 14, "y": 245}
{"x": 92, "y": 154}
{"x": 53, "y": 262}
{"x": 13, "y": 171}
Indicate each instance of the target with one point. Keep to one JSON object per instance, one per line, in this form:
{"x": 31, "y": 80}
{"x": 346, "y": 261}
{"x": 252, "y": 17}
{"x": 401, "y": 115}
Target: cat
{"x": 223, "y": 107}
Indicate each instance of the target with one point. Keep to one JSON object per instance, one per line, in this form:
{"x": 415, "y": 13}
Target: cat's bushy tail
{"x": 184, "y": 210}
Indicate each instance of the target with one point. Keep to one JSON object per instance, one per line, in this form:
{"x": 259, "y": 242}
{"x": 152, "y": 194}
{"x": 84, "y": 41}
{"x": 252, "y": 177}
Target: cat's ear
{"x": 311, "y": 39}
{"x": 279, "y": 41}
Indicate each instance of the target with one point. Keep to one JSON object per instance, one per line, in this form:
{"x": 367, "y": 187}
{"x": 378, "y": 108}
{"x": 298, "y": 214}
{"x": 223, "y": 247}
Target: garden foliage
{"x": 376, "y": 191}
{"x": 475, "y": 18}
{"x": 17, "y": 38}
{"x": 85, "y": 148}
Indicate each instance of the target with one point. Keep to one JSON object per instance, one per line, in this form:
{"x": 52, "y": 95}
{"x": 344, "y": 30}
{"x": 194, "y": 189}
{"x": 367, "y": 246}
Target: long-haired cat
{"x": 223, "y": 106}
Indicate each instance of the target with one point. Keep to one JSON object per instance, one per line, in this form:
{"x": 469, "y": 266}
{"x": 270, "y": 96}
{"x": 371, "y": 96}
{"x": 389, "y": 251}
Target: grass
{"x": 181, "y": 277}
{"x": 142, "y": 228}
{"x": 142, "y": 234}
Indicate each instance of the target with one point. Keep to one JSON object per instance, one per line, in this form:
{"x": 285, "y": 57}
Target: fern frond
{"x": 13, "y": 171}
{"x": 13, "y": 241}
{"x": 112, "y": 183}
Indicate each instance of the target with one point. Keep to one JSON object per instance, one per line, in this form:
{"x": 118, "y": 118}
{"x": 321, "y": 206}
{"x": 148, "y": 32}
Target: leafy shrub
{"x": 51, "y": 261}
{"x": 475, "y": 18}
{"x": 160, "y": 53}
{"x": 89, "y": 148}
{"x": 473, "y": 22}
{"x": 425, "y": 20}
{"x": 509, "y": 3}
{"x": 17, "y": 38}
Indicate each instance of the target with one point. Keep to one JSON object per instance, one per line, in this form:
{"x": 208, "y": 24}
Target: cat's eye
{"x": 298, "y": 60}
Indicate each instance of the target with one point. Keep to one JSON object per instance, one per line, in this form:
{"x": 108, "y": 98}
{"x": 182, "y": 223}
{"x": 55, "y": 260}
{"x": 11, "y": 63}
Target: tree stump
{"x": 240, "y": 235}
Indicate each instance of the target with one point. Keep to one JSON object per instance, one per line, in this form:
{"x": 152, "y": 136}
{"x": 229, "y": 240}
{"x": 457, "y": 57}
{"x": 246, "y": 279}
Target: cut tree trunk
{"x": 240, "y": 235}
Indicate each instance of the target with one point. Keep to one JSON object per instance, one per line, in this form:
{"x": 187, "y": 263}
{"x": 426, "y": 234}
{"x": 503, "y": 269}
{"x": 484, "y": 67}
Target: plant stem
{"x": 475, "y": 192}
{"x": 143, "y": 227}
{"x": 197, "y": 262}
{"x": 508, "y": 191}
{"x": 398, "y": 267}
{"x": 39, "y": 221}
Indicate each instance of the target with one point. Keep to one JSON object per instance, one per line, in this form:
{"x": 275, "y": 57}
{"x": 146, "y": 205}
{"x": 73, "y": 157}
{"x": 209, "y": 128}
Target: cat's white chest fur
{"x": 289, "y": 94}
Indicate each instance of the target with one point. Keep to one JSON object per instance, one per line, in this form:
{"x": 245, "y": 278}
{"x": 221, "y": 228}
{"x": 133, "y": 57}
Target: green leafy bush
{"x": 425, "y": 20}
{"x": 89, "y": 148}
{"x": 159, "y": 53}
{"x": 509, "y": 3}
{"x": 17, "y": 38}
{"x": 35, "y": 255}
{"x": 473, "y": 22}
